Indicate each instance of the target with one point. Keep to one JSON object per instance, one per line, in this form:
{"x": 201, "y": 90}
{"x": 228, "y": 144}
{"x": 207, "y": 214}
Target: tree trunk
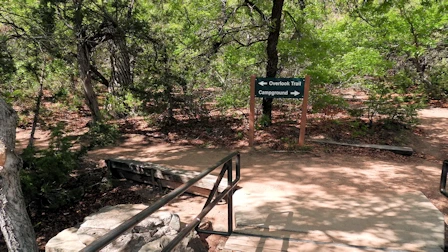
{"x": 38, "y": 102}
{"x": 14, "y": 220}
{"x": 170, "y": 101}
{"x": 83, "y": 56}
{"x": 271, "y": 50}
{"x": 86, "y": 79}
{"x": 121, "y": 64}
{"x": 121, "y": 76}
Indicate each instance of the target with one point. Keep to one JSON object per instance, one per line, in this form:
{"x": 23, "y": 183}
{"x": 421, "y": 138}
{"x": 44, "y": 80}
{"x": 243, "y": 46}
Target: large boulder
{"x": 151, "y": 234}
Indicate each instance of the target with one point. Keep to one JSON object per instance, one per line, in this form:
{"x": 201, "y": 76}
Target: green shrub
{"x": 289, "y": 142}
{"x": 439, "y": 79}
{"x": 119, "y": 106}
{"x": 262, "y": 122}
{"x": 103, "y": 134}
{"x": 322, "y": 101}
{"x": 359, "y": 129}
{"x": 386, "y": 102}
{"x": 234, "y": 96}
{"x": 61, "y": 94}
{"x": 46, "y": 171}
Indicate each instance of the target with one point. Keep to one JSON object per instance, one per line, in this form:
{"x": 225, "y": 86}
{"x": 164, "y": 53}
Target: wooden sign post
{"x": 279, "y": 88}
{"x": 252, "y": 111}
{"x": 304, "y": 110}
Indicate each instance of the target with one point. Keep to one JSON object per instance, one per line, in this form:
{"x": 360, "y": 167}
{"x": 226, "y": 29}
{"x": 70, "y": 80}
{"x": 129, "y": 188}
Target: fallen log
{"x": 162, "y": 176}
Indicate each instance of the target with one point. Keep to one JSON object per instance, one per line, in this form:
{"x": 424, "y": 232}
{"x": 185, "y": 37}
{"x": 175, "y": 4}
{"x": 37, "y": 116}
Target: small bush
{"x": 359, "y": 129}
{"x": 262, "y": 122}
{"x": 323, "y": 102}
{"x": 233, "y": 97}
{"x": 103, "y": 134}
{"x": 45, "y": 172}
{"x": 124, "y": 105}
{"x": 385, "y": 103}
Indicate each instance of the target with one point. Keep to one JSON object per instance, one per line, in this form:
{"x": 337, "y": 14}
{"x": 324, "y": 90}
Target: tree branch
{"x": 98, "y": 76}
{"x": 295, "y": 23}
{"x": 252, "y": 6}
{"x": 249, "y": 43}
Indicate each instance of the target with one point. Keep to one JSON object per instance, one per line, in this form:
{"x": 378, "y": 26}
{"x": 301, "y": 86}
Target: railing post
{"x": 229, "y": 198}
{"x": 237, "y": 178}
{"x": 227, "y": 194}
{"x": 238, "y": 167}
{"x": 443, "y": 178}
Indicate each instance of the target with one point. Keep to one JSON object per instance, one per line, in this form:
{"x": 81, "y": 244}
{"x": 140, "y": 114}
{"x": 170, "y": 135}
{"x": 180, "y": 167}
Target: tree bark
{"x": 121, "y": 74}
{"x": 271, "y": 50}
{"x": 86, "y": 79}
{"x": 83, "y": 57}
{"x": 121, "y": 64}
{"x": 14, "y": 220}
{"x": 38, "y": 102}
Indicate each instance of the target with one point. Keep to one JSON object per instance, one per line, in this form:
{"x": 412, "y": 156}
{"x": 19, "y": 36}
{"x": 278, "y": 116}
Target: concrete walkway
{"x": 359, "y": 204}
{"x": 391, "y": 221}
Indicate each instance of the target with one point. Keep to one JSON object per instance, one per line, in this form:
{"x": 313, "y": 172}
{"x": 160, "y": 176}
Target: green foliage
{"x": 439, "y": 79}
{"x": 363, "y": 62}
{"x": 46, "y": 171}
{"x": 234, "y": 96}
{"x": 102, "y": 134}
{"x": 61, "y": 93}
{"x": 359, "y": 129}
{"x": 125, "y": 105}
{"x": 7, "y": 67}
{"x": 406, "y": 35}
{"x": 152, "y": 119}
{"x": 178, "y": 48}
{"x": 239, "y": 135}
{"x": 322, "y": 101}
{"x": 262, "y": 122}
{"x": 386, "y": 102}
{"x": 132, "y": 103}
{"x": 290, "y": 142}
{"x": 68, "y": 100}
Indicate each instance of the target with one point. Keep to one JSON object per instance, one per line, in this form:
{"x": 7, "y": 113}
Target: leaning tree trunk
{"x": 86, "y": 79}
{"x": 271, "y": 50}
{"x": 14, "y": 220}
{"x": 121, "y": 76}
{"x": 38, "y": 102}
{"x": 121, "y": 63}
{"x": 83, "y": 57}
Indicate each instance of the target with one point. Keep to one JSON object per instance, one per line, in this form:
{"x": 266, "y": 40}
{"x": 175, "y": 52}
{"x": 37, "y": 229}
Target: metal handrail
{"x": 443, "y": 178}
{"x": 231, "y": 185}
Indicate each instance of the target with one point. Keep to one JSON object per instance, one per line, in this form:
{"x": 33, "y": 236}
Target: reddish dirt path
{"x": 433, "y": 144}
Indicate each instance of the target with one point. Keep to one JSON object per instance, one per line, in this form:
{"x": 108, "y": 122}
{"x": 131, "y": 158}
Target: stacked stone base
{"x": 152, "y": 234}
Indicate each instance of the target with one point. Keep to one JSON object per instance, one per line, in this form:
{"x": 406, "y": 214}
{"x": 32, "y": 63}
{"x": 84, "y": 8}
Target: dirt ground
{"x": 430, "y": 143}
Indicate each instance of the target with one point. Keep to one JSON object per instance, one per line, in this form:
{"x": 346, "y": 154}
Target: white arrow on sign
{"x": 262, "y": 83}
{"x": 295, "y": 93}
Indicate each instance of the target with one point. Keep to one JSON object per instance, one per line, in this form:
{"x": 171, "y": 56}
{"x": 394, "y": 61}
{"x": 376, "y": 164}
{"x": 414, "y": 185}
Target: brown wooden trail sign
{"x": 279, "y": 88}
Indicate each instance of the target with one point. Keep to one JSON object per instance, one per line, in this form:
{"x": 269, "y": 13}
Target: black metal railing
{"x": 443, "y": 178}
{"x": 213, "y": 199}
